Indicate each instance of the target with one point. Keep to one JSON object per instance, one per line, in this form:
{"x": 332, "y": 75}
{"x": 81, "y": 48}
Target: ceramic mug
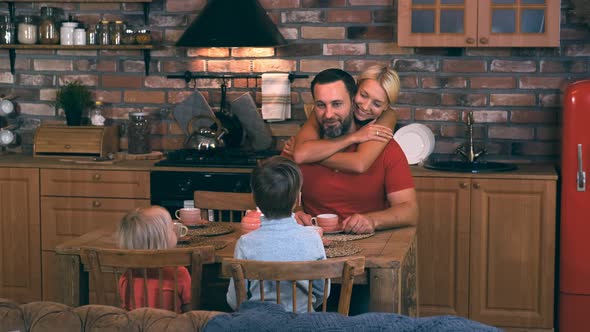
{"x": 179, "y": 229}
{"x": 327, "y": 221}
{"x": 188, "y": 216}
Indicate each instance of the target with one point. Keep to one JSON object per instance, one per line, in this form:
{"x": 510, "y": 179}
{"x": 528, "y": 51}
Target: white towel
{"x": 276, "y": 97}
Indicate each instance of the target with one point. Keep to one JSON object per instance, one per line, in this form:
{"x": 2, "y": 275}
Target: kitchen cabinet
{"x": 77, "y": 201}
{"x": 20, "y": 235}
{"x": 482, "y": 23}
{"x": 146, "y": 49}
{"x": 487, "y": 249}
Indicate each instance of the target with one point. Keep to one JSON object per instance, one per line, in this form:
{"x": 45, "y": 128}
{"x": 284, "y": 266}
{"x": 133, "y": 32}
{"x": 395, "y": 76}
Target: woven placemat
{"x": 347, "y": 237}
{"x": 199, "y": 241}
{"x": 340, "y": 249}
{"x": 211, "y": 229}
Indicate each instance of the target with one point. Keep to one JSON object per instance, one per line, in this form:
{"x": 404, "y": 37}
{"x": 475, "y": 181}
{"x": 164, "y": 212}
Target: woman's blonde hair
{"x": 386, "y": 77}
{"x": 143, "y": 228}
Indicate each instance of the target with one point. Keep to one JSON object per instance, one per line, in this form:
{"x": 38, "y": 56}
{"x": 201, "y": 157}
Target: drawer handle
{"x": 67, "y": 146}
{"x": 463, "y": 185}
{"x": 96, "y": 177}
{"x": 483, "y": 40}
{"x": 96, "y": 204}
{"x": 470, "y": 40}
{"x": 476, "y": 185}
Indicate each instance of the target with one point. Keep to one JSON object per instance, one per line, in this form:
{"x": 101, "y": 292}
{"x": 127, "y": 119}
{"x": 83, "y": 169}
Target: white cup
{"x": 180, "y": 230}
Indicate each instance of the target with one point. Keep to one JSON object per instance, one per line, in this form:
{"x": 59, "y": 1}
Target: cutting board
{"x": 154, "y": 155}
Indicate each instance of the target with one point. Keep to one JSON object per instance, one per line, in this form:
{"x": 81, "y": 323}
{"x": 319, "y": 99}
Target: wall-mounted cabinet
{"x": 146, "y": 49}
{"x": 481, "y": 23}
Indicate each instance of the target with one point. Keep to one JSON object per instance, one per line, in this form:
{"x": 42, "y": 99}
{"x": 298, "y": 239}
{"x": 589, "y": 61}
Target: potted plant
{"x": 74, "y": 98}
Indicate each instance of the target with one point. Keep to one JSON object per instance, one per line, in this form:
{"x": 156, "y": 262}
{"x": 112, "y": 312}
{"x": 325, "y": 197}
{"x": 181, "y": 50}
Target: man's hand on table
{"x": 303, "y": 218}
{"x": 358, "y": 224}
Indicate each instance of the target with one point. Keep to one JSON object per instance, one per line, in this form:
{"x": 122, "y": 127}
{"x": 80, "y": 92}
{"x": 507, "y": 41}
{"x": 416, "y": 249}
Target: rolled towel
{"x": 276, "y": 97}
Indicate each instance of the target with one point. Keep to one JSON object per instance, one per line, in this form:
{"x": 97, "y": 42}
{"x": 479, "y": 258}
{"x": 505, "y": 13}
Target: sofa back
{"x": 52, "y": 316}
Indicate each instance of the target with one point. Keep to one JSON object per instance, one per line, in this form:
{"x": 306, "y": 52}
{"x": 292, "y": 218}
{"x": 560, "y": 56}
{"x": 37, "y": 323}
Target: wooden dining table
{"x": 390, "y": 267}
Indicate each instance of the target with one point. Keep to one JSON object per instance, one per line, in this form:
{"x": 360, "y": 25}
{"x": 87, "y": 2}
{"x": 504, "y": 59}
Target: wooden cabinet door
{"x": 450, "y": 23}
{"x": 65, "y": 218}
{"x": 443, "y": 246}
{"x": 20, "y": 235}
{"x": 513, "y": 252}
{"x": 531, "y": 23}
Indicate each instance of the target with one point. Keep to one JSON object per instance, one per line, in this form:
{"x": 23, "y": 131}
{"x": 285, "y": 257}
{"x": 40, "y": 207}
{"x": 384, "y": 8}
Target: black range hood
{"x": 232, "y": 23}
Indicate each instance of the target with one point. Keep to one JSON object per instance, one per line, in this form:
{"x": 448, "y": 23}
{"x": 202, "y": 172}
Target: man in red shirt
{"x": 383, "y": 197}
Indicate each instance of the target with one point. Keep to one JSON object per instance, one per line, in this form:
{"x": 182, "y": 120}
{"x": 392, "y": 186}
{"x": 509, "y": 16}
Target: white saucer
{"x": 417, "y": 142}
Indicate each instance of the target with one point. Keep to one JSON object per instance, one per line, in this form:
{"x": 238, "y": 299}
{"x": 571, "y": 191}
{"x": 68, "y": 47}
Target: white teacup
{"x": 188, "y": 216}
{"x": 180, "y": 230}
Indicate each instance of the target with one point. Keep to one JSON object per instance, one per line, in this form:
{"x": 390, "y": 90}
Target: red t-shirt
{"x": 326, "y": 190}
{"x": 184, "y": 289}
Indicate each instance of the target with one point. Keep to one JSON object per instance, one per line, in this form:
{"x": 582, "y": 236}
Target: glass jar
{"x": 138, "y": 133}
{"x": 116, "y": 30}
{"x": 128, "y": 36}
{"x": 92, "y": 34}
{"x": 104, "y": 36}
{"x": 96, "y": 114}
{"x": 143, "y": 36}
{"x": 6, "y": 31}
{"x": 48, "y": 26}
{"x": 27, "y": 30}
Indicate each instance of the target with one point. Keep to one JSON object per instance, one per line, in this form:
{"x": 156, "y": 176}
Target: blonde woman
{"x": 151, "y": 228}
{"x": 374, "y": 120}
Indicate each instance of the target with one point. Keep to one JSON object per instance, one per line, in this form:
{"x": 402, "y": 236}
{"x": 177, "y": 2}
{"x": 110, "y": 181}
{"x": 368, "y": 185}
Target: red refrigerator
{"x": 574, "y": 266}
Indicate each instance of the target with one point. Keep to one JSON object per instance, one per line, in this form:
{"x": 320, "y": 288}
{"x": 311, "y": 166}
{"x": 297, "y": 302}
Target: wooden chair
{"x": 112, "y": 263}
{"x": 345, "y": 268}
{"x": 224, "y": 206}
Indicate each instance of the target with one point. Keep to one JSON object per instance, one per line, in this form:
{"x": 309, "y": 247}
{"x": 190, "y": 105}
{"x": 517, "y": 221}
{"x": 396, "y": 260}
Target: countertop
{"x": 524, "y": 171}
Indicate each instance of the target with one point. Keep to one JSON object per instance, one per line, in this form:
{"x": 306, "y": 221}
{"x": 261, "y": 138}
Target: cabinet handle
{"x": 463, "y": 185}
{"x": 470, "y": 40}
{"x": 96, "y": 177}
{"x": 476, "y": 185}
{"x": 96, "y": 204}
{"x": 483, "y": 40}
{"x": 67, "y": 146}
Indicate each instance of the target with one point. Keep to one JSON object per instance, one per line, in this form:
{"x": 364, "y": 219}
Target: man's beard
{"x": 338, "y": 130}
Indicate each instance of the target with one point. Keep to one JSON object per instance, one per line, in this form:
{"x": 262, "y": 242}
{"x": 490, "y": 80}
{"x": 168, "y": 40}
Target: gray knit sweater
{"x": 280, "y": 240}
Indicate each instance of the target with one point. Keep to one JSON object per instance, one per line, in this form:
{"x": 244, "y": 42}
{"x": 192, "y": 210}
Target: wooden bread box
{"x": 72, "y": 141}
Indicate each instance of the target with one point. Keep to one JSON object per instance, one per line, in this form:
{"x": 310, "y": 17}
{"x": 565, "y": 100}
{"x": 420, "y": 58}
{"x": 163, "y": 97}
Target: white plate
{"x": 417, "y": 142}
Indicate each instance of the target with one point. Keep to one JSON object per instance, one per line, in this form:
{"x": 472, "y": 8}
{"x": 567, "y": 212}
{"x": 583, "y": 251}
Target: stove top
{"x": 227, "y": 158}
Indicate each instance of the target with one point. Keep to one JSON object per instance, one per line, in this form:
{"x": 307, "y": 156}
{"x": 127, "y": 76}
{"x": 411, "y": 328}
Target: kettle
{"x": 205, "y": 139}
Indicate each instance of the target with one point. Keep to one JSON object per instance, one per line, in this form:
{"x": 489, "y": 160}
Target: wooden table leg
{"x": 74, "y": 280}
{"x": 384, "y": 290}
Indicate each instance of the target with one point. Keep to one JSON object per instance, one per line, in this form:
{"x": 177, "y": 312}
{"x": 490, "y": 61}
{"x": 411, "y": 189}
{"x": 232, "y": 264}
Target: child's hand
{"x": 289, "y": 146}
{"x": 303, "y": 218}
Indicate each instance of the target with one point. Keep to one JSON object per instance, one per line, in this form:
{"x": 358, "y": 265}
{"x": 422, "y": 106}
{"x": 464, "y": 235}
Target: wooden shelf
{"x": 146, "y": 49}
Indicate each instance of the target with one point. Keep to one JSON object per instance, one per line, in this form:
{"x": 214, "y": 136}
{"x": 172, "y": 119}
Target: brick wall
{"x": 515, "y": 93}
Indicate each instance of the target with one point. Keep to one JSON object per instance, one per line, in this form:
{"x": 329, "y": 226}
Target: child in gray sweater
{"x": 276, "y": 184}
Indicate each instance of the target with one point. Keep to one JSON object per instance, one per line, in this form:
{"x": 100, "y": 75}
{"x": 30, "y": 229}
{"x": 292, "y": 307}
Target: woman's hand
{"x": 289, "y": 146}
{"x": 372, "y": 131}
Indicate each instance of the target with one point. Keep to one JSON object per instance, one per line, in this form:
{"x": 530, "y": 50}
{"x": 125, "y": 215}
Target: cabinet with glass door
{"x": 481, "y": 23}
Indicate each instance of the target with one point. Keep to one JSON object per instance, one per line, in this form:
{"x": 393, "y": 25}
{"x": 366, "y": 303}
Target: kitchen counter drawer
{"x": 65, "y": 218}
{"x": 95, "y": 183}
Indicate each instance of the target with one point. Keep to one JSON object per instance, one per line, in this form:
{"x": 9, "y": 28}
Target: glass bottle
{"x": 48, "y": 26}
{"x": 138, "y": 133}
{"x": 27, "y": 30}
{"x": 128, "y": 36}
{"x": 143, "y": 36}
{"x": 116, "y": 32}
{"x": 104, "y": 36}
{"x": 92, "y": 34}
{"x": 6, "y": 31}
{"x": 96, "y": 115}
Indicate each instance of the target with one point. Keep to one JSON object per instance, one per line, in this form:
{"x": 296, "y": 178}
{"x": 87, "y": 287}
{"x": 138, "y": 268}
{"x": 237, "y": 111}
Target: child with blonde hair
{"x": 151, "y": 228}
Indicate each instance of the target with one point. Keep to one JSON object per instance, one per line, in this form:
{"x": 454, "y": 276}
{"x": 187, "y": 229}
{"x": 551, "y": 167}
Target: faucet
{"x": 466, "y": 149}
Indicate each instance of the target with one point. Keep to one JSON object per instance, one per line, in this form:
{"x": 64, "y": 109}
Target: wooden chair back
{"x": 110, "y": 264}
{"x": 344, "y": 267}
{"x": 224, "y": 206}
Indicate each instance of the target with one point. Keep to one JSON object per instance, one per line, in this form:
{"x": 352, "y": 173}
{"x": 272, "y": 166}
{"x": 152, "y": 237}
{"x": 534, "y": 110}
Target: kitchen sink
{"x": 467, "y": 167}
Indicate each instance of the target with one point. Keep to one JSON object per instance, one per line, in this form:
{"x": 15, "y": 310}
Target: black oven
{"x": 175, "y": 189}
